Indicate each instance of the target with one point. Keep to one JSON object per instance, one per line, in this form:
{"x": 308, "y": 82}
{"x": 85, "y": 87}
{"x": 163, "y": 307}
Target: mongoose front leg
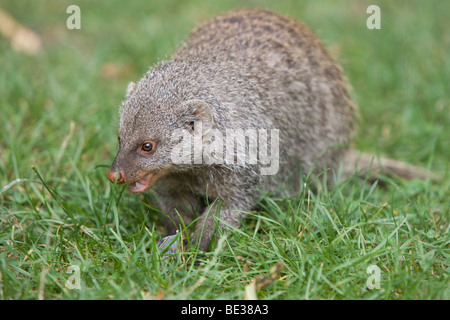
{"x": 207, "y": 224}
{"x": 178, "y": 206}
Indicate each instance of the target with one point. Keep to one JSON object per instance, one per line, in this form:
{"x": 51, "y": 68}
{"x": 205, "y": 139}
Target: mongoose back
{"x": 248, "y": 99}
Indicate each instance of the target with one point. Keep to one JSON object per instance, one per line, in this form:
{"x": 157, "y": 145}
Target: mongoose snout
{"x": 120, "y": 177}
{"x": 139, "y": 185}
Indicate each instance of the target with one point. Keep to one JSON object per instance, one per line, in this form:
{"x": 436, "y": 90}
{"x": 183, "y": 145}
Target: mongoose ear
{"x": 130, "y": 88}
{"x": 197, "y": 110}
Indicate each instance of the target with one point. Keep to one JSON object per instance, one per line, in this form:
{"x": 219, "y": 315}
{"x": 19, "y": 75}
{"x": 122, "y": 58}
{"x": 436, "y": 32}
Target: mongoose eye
{"x": 148, "y": 147}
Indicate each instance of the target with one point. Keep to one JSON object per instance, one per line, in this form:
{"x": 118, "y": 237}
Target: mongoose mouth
{"x": 143, "y": 184}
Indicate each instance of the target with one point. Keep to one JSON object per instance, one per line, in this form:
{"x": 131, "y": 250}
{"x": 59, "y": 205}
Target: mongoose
{"x": 250, "y": 98}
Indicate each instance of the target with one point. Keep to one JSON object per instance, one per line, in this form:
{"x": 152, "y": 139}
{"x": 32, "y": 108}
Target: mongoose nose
{"x": 120, "y": 178}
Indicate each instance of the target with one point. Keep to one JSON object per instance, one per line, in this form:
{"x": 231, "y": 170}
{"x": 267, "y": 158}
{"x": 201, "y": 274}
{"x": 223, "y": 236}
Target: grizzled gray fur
{"x": 241, "y": 70}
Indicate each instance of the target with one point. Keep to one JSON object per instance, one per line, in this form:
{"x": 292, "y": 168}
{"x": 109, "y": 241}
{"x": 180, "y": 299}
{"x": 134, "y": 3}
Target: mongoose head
{"x": 151, "y": 118}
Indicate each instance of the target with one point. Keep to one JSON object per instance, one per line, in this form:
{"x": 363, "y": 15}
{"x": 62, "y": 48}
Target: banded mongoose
{"x": 254, "y": 74}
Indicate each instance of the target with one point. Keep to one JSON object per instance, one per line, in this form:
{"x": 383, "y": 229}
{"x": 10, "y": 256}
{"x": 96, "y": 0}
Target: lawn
{"x": 62, "y": 222}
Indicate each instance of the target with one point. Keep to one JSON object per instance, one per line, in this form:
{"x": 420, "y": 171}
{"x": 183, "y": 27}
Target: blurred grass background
{"x": 58, "y": 113}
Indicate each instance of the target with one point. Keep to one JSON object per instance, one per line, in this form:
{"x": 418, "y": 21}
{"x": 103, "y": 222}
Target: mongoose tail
{"x": 364, "y": 164}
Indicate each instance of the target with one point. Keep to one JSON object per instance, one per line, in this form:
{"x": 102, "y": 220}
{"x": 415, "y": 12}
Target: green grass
{"x": 58, "y": 124}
